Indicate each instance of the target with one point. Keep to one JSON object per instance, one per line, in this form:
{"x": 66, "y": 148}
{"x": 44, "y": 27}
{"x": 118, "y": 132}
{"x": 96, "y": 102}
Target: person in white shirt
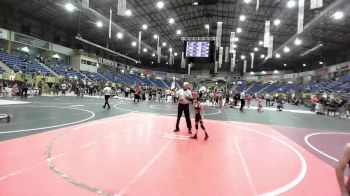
{"x": 242, "y": 98}
{"x": 184, "y": 97}
{"x": 64, "y": 88}
{"x": 107, "y": 91}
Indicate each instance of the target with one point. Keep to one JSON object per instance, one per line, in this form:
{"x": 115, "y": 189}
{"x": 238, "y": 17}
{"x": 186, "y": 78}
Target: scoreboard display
{"x": 197, "y": 49}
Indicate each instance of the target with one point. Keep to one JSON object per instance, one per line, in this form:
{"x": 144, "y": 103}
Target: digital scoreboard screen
{"x": 197, "y": 49}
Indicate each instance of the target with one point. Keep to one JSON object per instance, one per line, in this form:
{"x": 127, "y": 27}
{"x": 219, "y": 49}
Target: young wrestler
{"x": 199, "y": 113}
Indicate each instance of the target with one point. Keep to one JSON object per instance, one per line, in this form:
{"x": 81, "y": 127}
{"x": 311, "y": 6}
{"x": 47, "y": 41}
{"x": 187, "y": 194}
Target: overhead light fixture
{"x": 285, "y": 65}
{"x": 153, "y": 54}
{"x": 128, "y": 13}
{"x": 236, "y": 39}
{"x": 247, "y": 1}
{"x": 304, "y": 65}
{"x": 119, "y": 35}
{"x": 56, "y": 56}
{"x": 144, "y": 27}
{"x": 277, "y": 22}
{"x": 133, "y": 44}
{"x": 160, "y": 5}
{"x": 178, "y": 32}
{"x": 70, "y": 7}
{"x": 170, "y": 49}
{"x": 234, "y": 46}
{"x": 152, "y": 62}
{"x": 262, "y": 56}
{"x": 297, "y": 42}
{"x": 99, "y": 24}
{"x": 195, "y": 3}
{"x": 338, "y": 15}
{"x": 145, "y": 50}
{"x": 155, "y": 36}
{"x": 256, "y": 49}
{"x": 251, "y": 54}
{"x": 242, "y": 18}
{"x": 25, "y": 49}
{"x": 206, "y": 26}
{"x": 251, "y": 73}
{"x": 171, "y": 20}
{"x": 286, "y": 49}
{"x": 278, "y": 55}
{"x": 239, "y": 30}
{"x": 175, "y": 54}
{"x": 261, "y": 43}
{"x": 275, "y": 71}
{"x": 166, "y": 63}
{"x": 321, "y": 63}
{"x": 291, "y": 3}
{"x": 164, "y": 44}
{"x": 263, "y": 72}
{"x": 242, "y": 57}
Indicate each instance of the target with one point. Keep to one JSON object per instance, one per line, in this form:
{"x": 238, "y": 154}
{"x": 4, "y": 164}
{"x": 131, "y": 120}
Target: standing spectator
{"x": 249, "y": 99}
{"x": 64, "y": 88}
{"x": 313, "y": 102}
{"x": 127, "y": 91}
{"x": 268, "y": 99}
{"x": 242, "y": 98}
{"x": 137, "y": 93}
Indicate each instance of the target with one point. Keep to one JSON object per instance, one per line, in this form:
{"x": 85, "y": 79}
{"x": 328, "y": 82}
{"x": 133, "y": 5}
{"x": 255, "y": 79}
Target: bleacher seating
{"x": 1, "y": 70}
{"x": 256, "y": 88}
{"x": 94, "y": 76}
{"x": 24, "y": 64}
{"x": 64, "y": 70}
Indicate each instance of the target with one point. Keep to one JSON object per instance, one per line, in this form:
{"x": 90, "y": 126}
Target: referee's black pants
{"x": 186, "y": 109}
{"x": 106, "y": 101}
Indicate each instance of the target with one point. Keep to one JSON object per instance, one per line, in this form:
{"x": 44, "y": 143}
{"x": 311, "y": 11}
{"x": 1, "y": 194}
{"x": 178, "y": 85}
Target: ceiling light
{"x": 128, "y": 13}
{"x": 145, "y": 50}
{"x": 160, "y": 4}
{"x": 25, "y": 49}
{"x": 304, "y": 65}
{"x": 286, "y": 49}
{"x": 133, "y": 44}
{"x": 242, "y": 18}
{"x": 155, "y": 36}
{"x": 252, "y": 73}
{"x": 338, "y": 15}
{"x": 144, "y": 27}
{"x": 153, "y": 54}
{"x": 236, "y": 39}
{"x": 261, "y": 43}
{"x": 99, "y": 24}
{"x": 297, "y": 42}
{"x": 170, "y": 49}
{"x": 239, "y": 30}
{"x": 70, "y": 7}
{"x": 321, "y": 63}
{"x": 178, "y": 32}
{"x": 119, "y": 35}
{"x": 234, "y": 46}
{"x": 247, "y": 1}
{"x": 166, "y": 63}
{"x": 206, "y": 26}
{"x": 262, "y": 56}
{"x": 256, "y": 49}
{"x": 277, "y": 22}
{"x": 263, "y": 72}
{"x": 164, "y": 44}
{"x": 195, "y": 3}
{"x": 275, "y": 71}
{"x": 285, "y": 65}
{"x": 291, "y": 3}
{"x": 171, "y": 20}
{"x": 56, "y": 56}
{"x": 175, "y": 54}
{"x": 278, "y": 55}
{"x": 152, "y": 62}
{"x": 242, "y": 57}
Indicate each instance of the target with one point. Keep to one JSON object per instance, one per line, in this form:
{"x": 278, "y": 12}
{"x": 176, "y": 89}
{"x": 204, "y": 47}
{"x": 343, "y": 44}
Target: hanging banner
{"x": 85, "y": 3}
{"x": 245, "y": 66}
{"x": 270, "y": 48}
{"x": 218, "y": 34}
{"x": 252, "y": 62}
{"x": 121, "y": 7}
{"x": 110, "y": 24}
{"x": 226, "y": 55}
{"x": 314, "y": 4}
{"x": 301, "y": 16}
{"x": 183, "y": 60}
{"x": 233, "y": 61}
{"x": 221, "y": 53}
{"x": 267, "y": 34}
{"x": 232, "y": 42}
{"x": 257, "y": 5}
{"x": 216, "y": 67}
{"x": 140, "y": 35}
{"x": 159, "y": 54}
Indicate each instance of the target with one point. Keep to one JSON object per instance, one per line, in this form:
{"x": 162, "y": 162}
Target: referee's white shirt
{"x": 184, "y": 96}
{"x": 107, "y": 90}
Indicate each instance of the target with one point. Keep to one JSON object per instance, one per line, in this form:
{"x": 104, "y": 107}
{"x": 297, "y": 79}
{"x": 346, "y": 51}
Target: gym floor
{"x": 72, "y": 146}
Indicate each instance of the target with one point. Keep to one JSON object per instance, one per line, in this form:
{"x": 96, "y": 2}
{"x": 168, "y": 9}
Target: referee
{"x": 107, "y": 91}
{"x": 184, "y": 97}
